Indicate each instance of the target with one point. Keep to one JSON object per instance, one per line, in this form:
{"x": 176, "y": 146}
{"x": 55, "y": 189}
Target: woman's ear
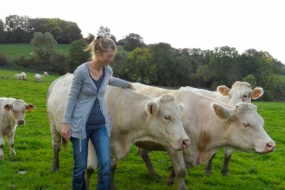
{"x": 98, "y": 53}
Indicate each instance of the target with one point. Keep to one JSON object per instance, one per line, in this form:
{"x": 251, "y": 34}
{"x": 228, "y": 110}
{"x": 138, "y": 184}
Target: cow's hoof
{"x": 208, "y": 172}
{"x": 54, "y": 168}
{"x": 155, "y": 175}
{"x": 13, "y": 153}
{"x": 170, "y": 182}
{"x": 225, "y": 173}
{"x": 182, "y": 188}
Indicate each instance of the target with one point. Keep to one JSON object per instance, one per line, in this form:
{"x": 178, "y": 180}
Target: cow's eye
{"x": 244, "y": 96}
{"x": 167, "y": 117}
{"x": 14, "y": 111}
{"x": 246, "y": 125}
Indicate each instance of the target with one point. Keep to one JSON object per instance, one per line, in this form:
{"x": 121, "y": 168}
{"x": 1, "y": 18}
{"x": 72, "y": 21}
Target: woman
{"x": 86, "y": 114}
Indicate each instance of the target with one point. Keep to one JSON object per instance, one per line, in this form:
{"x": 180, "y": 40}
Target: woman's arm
{"x": 76, "y": 85}
{"x": 113, "y": 81}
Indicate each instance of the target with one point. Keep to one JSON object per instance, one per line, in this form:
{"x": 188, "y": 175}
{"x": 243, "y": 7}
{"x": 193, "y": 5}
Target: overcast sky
{"x": 204, "y": 24}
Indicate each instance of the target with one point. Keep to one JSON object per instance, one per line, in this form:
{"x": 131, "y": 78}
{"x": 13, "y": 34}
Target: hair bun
{"x": 99, "y": 37}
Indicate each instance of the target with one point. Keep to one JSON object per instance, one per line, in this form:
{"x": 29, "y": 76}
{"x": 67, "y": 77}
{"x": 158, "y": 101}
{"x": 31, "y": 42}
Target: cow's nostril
{"x": 20, "y": 122}
{"x": 270, "y": 144}
{"x": 186, "y": 143}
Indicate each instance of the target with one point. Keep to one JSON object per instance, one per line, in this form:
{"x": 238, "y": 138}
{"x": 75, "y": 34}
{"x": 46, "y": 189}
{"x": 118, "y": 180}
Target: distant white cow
{"x": 39, "y": 77}
{"x": 12, "y": 114}
{"x": 46, "y": 74}
{"x": 17, "y": 76}
{"x": 23, "y": 76}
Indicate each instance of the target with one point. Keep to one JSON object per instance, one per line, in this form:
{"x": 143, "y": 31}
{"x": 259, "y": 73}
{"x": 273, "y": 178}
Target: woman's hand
{"x": 65, "y": 131}
{"x": 130, "y": 86}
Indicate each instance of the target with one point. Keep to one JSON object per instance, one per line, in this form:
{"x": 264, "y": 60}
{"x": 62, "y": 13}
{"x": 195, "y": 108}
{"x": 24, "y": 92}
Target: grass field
{"x": 13, "y": 50}
{"x": 34, "y": 153}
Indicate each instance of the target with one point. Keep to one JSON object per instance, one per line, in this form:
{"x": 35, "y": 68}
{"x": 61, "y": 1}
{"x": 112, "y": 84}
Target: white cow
{"x": 17, "y": 76}
{"x": 12, "y": 114}
{"x": 134, "y": 117}
{"x": 23, "y": 76}
{"x": 210, "y": 125}
{"x": 39, "y": 77}
{"x": 46, "y": 74}
{"x": 240, "y": 92}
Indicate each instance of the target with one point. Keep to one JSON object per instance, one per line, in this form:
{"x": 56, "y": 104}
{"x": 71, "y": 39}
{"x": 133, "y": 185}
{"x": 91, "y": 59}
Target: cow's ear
{"x": 8, "y": 107}
{"x": 30, "y": 107}
{"x": 152, "y": 108}
{"x": 256, "y": 93}
{"x": 223, "y": 90}
{"x": 221, "y": 112}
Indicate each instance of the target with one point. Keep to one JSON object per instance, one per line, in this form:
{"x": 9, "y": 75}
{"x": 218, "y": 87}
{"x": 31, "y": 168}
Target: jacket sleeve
{"x": 113, "y": 81}
{"x": 76, "y": 85}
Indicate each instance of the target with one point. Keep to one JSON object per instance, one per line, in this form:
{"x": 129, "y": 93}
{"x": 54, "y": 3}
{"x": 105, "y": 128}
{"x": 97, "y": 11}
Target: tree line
{"x": 20, "y": 29}
{"x": 162, "y": 65}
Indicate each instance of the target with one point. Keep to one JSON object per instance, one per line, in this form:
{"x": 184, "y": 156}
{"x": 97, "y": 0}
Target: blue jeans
{"x": 100, "y": 139}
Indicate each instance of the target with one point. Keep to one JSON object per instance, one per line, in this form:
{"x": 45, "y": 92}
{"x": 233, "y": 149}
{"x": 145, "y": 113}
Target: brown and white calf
{"x": 240, "y": 92}
{"x": 134, "y": 117}
{"x": 12, "y": 114}
{"x": 210, "y": 125}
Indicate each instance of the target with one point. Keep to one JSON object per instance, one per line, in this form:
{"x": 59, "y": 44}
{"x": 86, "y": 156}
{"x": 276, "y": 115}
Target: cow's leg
{"x": 227, "y": 157}
{"x": 88, "y": 173}
{"x": 171, "y": 177}
{"x": 113, "y": 169}
{"x": 11, "y": 144}
{"x": 208, "y": 168}
{"x": 1, "y": 147}
{"x": 56, "y": 142}
{"x": 179, "y": 168}
{"x": 146, "y": 158}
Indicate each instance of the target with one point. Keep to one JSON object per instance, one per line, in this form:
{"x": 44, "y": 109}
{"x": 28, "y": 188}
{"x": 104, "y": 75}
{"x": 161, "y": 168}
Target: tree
{"x": 119, "y": 65}
{"x": 90, "y": 37}
{"x": 104, "y": 31}
{"x": 173, "y": 68}
{"x": 44, "y": 46}
{"x": 3, "y": 59}
{"x": 140, "y": 66}
{"x": 132, "y": 41}
{"x": 59, "y": 63}
{"x": 250, "y": 79}
{"x": 2, "y": 26}
{"x": 163, "y": 54}
{"x": 77, "y": 54}
{"x": 223, "y": 65}
{"x": 52, "y": 26}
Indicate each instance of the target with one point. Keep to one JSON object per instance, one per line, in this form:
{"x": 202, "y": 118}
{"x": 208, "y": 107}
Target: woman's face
{"x": 106, "y": 57}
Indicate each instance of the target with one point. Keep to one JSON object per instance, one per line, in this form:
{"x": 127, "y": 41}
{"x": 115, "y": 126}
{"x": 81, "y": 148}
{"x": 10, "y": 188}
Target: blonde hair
{"x": 100, "y": 44}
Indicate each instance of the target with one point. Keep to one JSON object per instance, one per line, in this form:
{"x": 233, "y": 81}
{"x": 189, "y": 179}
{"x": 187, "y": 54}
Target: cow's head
{"x": 244, "y": 128}
{"x": 164, "y": 118}
{"x": 17, "y": 110}
{"x": 240, "y": 92}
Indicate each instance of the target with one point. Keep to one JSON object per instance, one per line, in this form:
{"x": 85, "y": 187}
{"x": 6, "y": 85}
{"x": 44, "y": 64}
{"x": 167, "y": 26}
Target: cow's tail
{"x": 64, "y": 143}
